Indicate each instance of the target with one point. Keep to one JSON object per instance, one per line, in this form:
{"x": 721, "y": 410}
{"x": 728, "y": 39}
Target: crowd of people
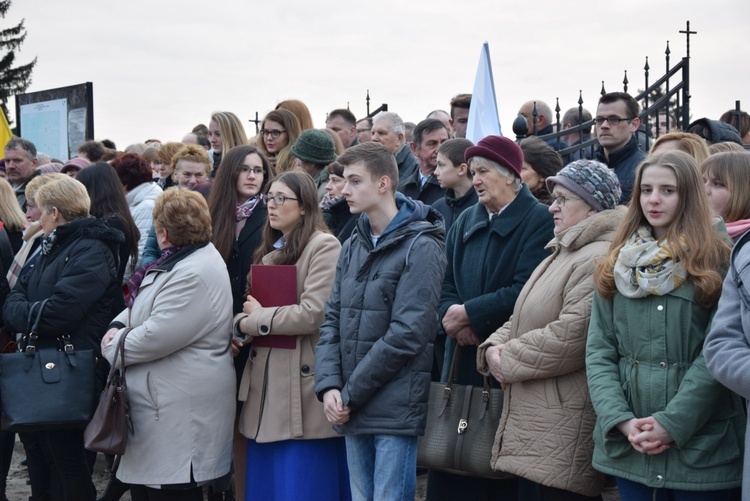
{"x": 285, "y": 301}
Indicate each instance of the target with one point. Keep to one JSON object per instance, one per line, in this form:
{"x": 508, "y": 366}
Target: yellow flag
{"x": 5, "y": 133}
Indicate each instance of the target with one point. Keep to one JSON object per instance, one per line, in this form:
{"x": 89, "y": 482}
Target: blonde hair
{"x": 192, "y": 153}
{"x": 67, "y": 195}
{"x": 231, "y": 130}
{"x": 184, "y": 214}
{"x": 692, "y": 144}
{"x": 39, "y": 181}
{"x": 10, "y": 213}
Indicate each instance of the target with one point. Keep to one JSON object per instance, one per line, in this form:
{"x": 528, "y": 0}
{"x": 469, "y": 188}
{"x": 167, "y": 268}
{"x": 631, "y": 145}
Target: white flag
{"x": 483, "y": 115}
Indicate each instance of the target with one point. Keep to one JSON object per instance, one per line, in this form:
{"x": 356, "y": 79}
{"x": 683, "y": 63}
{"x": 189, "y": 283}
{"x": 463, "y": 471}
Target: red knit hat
{"x": 498, "y": 149}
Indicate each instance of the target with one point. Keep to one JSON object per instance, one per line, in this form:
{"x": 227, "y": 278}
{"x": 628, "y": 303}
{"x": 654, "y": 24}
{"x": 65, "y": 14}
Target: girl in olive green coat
{"x": 663, "y": 423}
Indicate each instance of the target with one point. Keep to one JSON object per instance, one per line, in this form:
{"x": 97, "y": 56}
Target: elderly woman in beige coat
{"x": 181, "y": 381}
{"x": 545, "y": 432}
{"x": 293, "y": 452}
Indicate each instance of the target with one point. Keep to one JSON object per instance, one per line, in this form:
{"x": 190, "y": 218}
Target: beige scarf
{"x": 646, "y": 266}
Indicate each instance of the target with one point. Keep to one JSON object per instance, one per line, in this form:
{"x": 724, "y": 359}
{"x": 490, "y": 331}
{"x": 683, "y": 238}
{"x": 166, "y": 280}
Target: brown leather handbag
{"x": 108, "y": 430}
{"x": 461, "y": 424}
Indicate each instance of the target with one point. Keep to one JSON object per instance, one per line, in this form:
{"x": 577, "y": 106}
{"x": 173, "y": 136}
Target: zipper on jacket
{"x": 153, "y": 393}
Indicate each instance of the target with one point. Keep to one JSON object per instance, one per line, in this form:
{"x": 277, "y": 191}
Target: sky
{"x": 160, "y": 67}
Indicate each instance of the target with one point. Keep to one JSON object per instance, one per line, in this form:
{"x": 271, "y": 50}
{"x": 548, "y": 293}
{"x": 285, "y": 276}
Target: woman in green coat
{"x": 664, "y": 426}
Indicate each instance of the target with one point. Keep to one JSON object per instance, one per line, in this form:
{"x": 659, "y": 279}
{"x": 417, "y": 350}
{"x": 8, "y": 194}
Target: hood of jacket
{"x": 142, "y": 192}
{"x": 721, "y": 132}
{"x": 412, "y": 217}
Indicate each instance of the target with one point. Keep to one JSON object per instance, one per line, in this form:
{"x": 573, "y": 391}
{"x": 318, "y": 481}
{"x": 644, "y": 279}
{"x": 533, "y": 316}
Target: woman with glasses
{"x": 278, "y": 133}
{"x": 225, "y": 131}
{"x": 665, "y": 428}
{"x": 238, "y": 215}
{"x": 539, "y": 354}
{"x": 293, "y": 453}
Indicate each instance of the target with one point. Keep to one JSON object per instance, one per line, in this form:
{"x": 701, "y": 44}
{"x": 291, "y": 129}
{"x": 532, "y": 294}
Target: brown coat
{"x": 546, "y": 429}
{"x": 277, "y": 384}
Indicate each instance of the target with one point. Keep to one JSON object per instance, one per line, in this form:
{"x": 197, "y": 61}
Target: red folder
{"x": 274, "y": 285}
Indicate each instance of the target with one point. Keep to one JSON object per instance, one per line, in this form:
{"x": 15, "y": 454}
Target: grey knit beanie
{"x": 314, "y": 146}
{"x": 593, "y": 181}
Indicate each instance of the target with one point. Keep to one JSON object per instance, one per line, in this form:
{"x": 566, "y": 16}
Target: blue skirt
{"x": 297, "y": 470}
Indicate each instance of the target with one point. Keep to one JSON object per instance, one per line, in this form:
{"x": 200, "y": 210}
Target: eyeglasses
{"x": 613, "y": 120}
{"x": 273, "y": 133}
{"x": 277, "y": 199}
{"x": 561, "y": 200}
{"x": 258, "y": 171}
{"x": 360, "y": 131}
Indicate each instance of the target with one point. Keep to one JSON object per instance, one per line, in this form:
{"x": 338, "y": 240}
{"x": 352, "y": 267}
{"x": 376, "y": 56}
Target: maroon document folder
{"x": 274, "y": 285}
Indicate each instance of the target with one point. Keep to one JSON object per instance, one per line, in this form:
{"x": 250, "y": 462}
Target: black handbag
{"x": 461, "y": 424}
{"x": 108, "y": 430}
{"x": 47, "y": 387}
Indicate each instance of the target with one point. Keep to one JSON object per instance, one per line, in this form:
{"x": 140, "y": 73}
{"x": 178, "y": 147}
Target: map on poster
{"x": 46, "y": 125}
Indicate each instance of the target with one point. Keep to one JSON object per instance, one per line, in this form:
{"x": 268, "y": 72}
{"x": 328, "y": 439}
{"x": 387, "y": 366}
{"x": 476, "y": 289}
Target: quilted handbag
{"x": 461, "y": 424}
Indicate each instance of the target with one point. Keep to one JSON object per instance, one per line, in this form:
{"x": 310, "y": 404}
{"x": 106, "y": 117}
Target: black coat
{"x": 340, "y": 220}
{"x": 78, "y": 277}
{"x": 243, "y": 249}
{"x": 428, "y": 194}
{"x": 238, "y": 267}
{"x": 451, "y": 206}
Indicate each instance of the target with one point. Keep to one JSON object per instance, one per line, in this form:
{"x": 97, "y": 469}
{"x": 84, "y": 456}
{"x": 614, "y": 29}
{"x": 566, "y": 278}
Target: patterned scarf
{"x": 134, "y": 284}
{"x": 245, "y": 209}
{"x": 646, "y": 266}
{"x": 330, "y": 200}
{"x": 48, "y": 243}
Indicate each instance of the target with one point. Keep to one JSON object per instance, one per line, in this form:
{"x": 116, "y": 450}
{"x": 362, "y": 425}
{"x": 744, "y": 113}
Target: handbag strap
{"x": 453, "y": 374}
{"x": 119, "y": 352}
{"x": 32, "y": 326}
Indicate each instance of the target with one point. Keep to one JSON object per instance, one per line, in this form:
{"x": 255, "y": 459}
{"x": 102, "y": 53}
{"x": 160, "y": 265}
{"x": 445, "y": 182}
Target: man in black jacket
{"x": 616, "y": 123}
{"x": 422, "y": 184}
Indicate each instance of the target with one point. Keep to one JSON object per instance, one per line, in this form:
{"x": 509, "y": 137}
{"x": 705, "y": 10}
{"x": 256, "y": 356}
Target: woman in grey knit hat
{"x": 545, "y": 434}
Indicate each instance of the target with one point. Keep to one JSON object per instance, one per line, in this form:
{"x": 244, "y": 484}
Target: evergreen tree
{"x": 13, "y": 79}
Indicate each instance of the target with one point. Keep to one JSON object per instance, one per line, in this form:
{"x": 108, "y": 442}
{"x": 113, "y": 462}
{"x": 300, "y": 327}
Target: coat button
{"x": 660, "y": 307}
{"x": 264, "y": 329}
{"x": 305, "y": 369}
{"x": 663, "y": 365}
{"x": 659, "y": 478}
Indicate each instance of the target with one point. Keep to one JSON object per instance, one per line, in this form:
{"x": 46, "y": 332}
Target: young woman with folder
{"x": 292, "y": 450}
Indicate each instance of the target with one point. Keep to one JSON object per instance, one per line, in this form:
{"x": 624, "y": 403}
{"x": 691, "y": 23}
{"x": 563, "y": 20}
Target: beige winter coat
{"x": 545, "y": 432}
{"x": 277, "y": 384}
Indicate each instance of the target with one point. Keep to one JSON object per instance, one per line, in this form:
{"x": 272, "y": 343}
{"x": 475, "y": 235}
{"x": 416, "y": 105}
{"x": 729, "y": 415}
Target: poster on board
{"x": 57, "y": 121}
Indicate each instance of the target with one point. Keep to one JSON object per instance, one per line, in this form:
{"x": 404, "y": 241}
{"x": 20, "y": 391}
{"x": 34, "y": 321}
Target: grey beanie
{"x": 314, "y": 146}
{"x": 593, "y": 181}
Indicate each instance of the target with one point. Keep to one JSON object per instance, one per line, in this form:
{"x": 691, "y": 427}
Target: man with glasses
{"x": 616, "y": 123}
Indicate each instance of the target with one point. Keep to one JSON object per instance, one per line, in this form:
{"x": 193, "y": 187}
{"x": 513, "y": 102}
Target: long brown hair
{"x": 706, "y": 252}
{"x": 732, "y": 169}
{"x": 306, "y": 194}
{"x": 284, "y": 160}
{"x": 223, "y": 198}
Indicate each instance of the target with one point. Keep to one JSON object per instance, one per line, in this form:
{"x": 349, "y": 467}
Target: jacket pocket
{"x": 717, "y": 443}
